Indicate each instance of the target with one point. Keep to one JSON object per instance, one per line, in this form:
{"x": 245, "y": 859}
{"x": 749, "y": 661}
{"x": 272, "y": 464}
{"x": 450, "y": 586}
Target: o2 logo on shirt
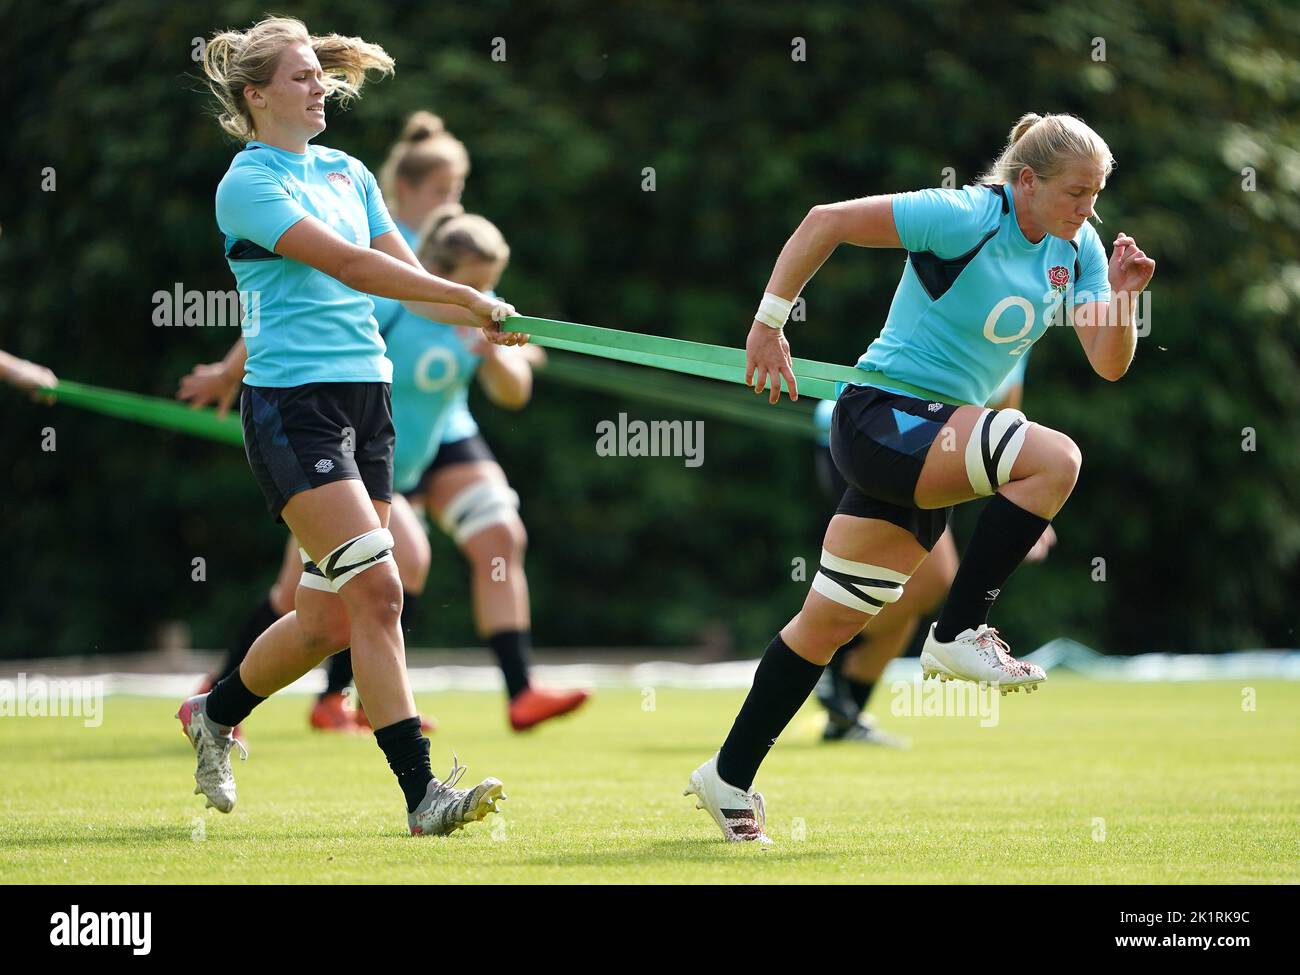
{"x": 991, "y": 323}
{"x": 1022, "y": 336}
{"x": 436, "y": 369}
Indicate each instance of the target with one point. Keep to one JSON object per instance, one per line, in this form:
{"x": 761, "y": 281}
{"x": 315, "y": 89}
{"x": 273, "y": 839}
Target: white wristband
{"x": 773, "y": 310}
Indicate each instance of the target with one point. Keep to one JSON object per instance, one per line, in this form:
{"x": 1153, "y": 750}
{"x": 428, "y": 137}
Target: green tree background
{"x": 1197, "y": 98}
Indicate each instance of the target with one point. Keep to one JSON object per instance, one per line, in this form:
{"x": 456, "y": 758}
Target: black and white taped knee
{"x": 995, "y": 443}
{"x": 350, "y": 559}
{"x": 477, "y": 507}
{"x": 312, "y": 576}
{"x": 857, "y": 585}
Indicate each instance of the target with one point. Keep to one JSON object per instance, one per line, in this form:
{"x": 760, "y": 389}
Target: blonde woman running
{"x": 988, "y": 267}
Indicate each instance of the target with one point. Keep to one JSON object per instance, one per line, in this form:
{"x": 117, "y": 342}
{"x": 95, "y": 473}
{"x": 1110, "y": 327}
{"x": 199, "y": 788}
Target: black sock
{"x": 512, "y": 648}
{"x": 782, "y": 683}
{"x": 230, "y": 702}
{"x": 836, "y": 666}
{"x": 410, "y": 612}
{"x": 860, "y": 692}
{"x": 338, "y": 672}
{"x": 407, "y": 751}
{"x": 1003, "y": 537}
{"x": 843, "y": 682}
{"x": 835, "y": 692}
{"x": 258, "y": 621}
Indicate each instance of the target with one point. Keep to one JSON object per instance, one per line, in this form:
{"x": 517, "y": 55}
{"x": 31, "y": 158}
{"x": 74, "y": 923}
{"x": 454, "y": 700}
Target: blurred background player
{"x": 453, "y": 478}
{"x": 846, "y": 686}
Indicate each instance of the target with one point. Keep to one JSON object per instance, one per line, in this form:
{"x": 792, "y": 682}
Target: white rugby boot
{"x": 739, "y": 814}
{"x": 981, "y": 656}
{"x": 212, "y": 777}
{"x": 445, "y": 809}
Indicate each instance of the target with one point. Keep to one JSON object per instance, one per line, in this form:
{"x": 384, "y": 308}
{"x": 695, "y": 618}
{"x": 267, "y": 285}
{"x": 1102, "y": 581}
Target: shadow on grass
{"x": 695, "y": 851}
{"x": 700, "y": 751}
{"x": 85, "y": 836}
{"x": 166, "y": 835}
{"x": 125, "y": 752}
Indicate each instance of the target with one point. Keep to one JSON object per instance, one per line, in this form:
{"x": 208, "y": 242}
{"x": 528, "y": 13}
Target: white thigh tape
{"x": 356, "y": 555}
{"x": 312, "y": 577}
{"x": 866, "y": 588}
{"x": 477, "y": 507}
{"x": 993, "y": 447}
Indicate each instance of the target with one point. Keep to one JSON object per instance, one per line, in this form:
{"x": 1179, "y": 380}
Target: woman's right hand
{"x": 209, "y": 383}
{"x": 767, "y": 355}
{"x": 491, "y": 312}
{"x": 29, "y": 376}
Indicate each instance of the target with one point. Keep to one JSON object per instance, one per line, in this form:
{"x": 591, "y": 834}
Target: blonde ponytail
{"x": 234, "y": 59}
{"x": 424, "y": 146}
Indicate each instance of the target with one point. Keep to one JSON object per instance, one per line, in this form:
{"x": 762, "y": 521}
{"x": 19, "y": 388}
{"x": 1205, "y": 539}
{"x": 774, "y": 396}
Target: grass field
{"x": 1084, "y": 782}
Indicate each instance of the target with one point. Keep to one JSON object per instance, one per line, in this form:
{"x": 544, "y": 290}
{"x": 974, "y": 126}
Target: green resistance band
{"x": 816, "y": 379}
{"x": 151, "y": 410}
{"x": 816, "y": 388}
{"x": 648, "y": 385}
{"x": 679, "y": 393}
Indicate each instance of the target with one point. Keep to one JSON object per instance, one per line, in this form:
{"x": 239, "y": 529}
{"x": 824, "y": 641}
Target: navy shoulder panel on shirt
{"x": 246, "y": 250}
{"x": 937, "y": 274}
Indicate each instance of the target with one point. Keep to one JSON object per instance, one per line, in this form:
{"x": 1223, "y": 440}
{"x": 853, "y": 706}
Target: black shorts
{"x": 464, "y": 451}
{"x": 878, "y": 442}
{"x": 300, "y": 437}
{"x": 829, "y": 479}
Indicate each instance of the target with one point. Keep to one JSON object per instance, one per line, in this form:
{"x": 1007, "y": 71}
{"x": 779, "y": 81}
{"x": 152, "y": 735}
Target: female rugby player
{"x": 988, "y": 267}
{"x": 306, "y": 227}
{"x": 460, "y": 485}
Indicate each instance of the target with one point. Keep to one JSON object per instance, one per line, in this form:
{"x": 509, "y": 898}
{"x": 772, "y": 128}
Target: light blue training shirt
{"x": 306, "y": 326}
{"x": 975, "y": 293}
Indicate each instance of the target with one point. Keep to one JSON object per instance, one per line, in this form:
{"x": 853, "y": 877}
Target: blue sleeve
{"x": 947, "y": 223}
{"x": 253, "y": 205}
{"x": 1093, "y": 284}
{"x": 376, "y": 210}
